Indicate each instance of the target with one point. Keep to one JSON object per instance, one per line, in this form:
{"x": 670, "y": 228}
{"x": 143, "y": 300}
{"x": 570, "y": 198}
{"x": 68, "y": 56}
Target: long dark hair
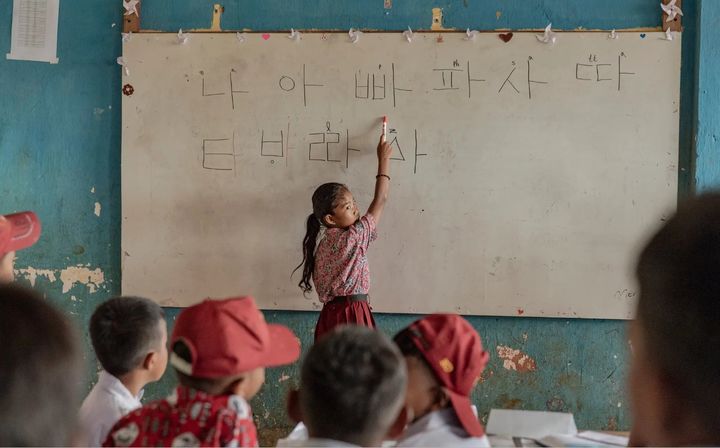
{"x": 323, "y": 200}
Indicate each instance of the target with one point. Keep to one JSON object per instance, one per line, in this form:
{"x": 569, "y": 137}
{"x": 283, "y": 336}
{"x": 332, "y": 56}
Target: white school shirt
{"x": 440, "y": 428}
{"x": 105, "y": 404}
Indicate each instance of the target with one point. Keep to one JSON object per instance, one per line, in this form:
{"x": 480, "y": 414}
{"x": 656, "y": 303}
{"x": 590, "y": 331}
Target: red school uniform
{"x": 341, "y": 271}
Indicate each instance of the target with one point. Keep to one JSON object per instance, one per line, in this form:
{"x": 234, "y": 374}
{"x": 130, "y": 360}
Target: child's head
{"x": 17, "y": 231}
{"x": 676, "y": 335}
{"x": 352, "y": 387}
{"x": 445, "y": 357}
{"x": 333, "y": 206}
{"x": 221, "y": 347}
{"x": 129, "y": 334}
{"x": 40, "y": 371}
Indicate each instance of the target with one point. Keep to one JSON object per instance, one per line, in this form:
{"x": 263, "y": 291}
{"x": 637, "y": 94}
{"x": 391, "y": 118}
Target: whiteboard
{"x": 525, "y": 176}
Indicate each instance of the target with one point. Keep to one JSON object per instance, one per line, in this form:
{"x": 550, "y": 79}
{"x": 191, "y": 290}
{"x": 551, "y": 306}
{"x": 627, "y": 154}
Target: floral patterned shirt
{"x": 341, "y": 264}
{"x": 187, "y": 418}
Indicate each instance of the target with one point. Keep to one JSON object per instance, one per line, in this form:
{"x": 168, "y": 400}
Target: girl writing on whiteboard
{"x": 335, "y": 249}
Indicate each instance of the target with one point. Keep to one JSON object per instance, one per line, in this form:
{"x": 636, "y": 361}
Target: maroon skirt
{"x": 344, "y": 311}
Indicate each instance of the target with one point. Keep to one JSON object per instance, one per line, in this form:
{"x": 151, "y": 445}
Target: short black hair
{"x": 352, "y": 386}
{"x": 679, "y": 305}
{"x": 211, "y": 386}
{"x": 40, "y": 371}
{"x": 123, "y": 330}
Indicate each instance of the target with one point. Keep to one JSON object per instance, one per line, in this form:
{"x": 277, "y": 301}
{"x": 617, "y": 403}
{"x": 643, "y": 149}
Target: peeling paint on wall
{"x": 31, "y": 274}
{"x": 98, "y": 209}
{"x": 81, "y": 274}
{"x": 515, "y": 359}
{"x": 70, "y": 276}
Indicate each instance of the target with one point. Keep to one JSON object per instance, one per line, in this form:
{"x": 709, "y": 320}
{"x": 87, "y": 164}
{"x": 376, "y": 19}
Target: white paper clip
{"x": 126, "y": 37}
{"x": 548, "y": 37}
{"x": 613, "y": 35}
{"x": 354, "y": 35}
{"x": 130, "y": 7}
{"x": 182, "y": 38}
{"x": 240, "y": 37}
{"x": 471, "y": 34}
{"x": 121, "y": 62}
{"x": 408, "y": 34}
{"x": 668, "y": 35}
{"x": 672, "y": 10}
{"x": 294, "y": 35}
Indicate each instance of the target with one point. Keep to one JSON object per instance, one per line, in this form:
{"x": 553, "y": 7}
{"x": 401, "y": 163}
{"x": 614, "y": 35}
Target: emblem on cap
{"x": 446, "y": 365}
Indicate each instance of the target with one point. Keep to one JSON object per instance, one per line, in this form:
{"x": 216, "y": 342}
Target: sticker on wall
{"x": 505, "y": 37}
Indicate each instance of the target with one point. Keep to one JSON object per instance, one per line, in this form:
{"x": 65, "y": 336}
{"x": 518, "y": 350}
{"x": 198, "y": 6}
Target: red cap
{"x": 454, "y": 351}
{"x": 18, "y": 231}
{"x": 229, "y": 337}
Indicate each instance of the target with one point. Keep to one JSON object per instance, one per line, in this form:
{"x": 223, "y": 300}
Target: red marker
{"x": 384, "y": 127}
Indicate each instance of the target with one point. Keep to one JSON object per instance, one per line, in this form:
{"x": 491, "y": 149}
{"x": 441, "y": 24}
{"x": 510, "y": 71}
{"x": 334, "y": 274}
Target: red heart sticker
{"x": 505, "y": 37}
{"x": 266, "y": 36}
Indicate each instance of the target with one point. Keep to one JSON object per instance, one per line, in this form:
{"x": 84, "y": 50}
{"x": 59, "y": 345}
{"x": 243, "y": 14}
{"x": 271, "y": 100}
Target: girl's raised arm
{"x": 382, "y": 180}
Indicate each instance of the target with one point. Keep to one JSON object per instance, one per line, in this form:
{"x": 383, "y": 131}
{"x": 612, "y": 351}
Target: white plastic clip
{"x": 471, "y": 34}
{"x": 294, "y": 35}
{"x": 182, "y": 38}
{"x": 408, "y": 34}
{"x": 354, "y": 35}
{"x": 548, "y": 37}
{"x": 121, "y": 62}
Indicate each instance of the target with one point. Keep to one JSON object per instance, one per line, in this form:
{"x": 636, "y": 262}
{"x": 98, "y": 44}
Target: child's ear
{"x": 404, "y": 418}
{"x": 293, "y": 406}
{"x": 330, "y": 219}
{"x": 150, "y": 360}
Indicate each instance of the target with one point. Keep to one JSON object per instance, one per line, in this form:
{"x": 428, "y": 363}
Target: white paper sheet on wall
{"x": 34, "y": 30}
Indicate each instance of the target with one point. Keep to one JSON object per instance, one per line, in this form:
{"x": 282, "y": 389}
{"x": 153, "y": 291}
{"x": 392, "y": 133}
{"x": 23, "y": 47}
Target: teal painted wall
{"x": 707, "y": 172}
{"x": 60, "y": 152}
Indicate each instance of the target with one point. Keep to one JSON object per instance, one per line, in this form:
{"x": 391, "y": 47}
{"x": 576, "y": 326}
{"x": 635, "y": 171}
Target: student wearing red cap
{"x": 17, "y": 231}
{"x": 220, "y": 349}
{"x": 444, "y": 357}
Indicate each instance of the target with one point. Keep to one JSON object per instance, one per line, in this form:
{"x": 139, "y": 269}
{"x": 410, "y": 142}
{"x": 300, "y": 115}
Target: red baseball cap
{"x": 229, "y": 337}
{"x": 18, "y": 231}
{"x": 454, "y": 351}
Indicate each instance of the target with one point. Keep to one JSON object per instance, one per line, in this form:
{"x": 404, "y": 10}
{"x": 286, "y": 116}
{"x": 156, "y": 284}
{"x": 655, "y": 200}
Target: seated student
{"x": 675, "y": 367}
{"x": 17, "y": 231}
{"x": 220, "y": 349}
{"x": 40, "y": 371}
{"x": 445, "y": 358}
{"x": 129, "y": 335}
{"x": 352, "y": 389}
